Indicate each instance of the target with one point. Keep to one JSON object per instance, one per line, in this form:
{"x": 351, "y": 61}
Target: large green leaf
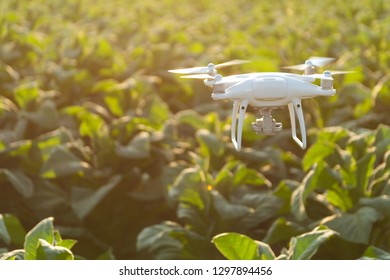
{"x": 236, "y": 246}
{"x": 304, "y": 246}
{"x": 355, "y": 227}
{"x": 43, "y": 230}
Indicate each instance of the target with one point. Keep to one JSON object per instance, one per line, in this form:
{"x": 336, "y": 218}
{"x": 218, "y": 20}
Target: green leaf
{"x": 138, "y": 148}
{"x": 364, "y": 170}
{"x": 227, "y": 210}
{"x": 107, "y": 255}
{"x": 190, "y": 187}
{"x": 192, "y": 217}
{"x": 43, "y": 230}
{"x": 354, "y": 227}
{"x": 67, "y": 243}
{"x": 4, "y": 235}
{"x": 236, "y": 246}
{"x": 159, "y": 240}
{"x": 304, "y": 246}
{"x": 21, "y": 182}
{"x": 379, "y": 203}
{"x": 282, "y": 230}
{"x": 192, "y": 118}
{"x": 114, "y": 104}
{"x": 263, "y": 206}
{"x": 11, "y": 230}
{"x": 373, "y": 252}
{"x": 157, "y": 111}
{"x": 382, "y": 140}
{"x": 265, "y": 252}
{"x": 47, "y": 251}
{"x": 85, "y": 200}
{"x": 13, "y": 255}
{"x": 46, "y": 116}
{"x": 62, "y": 163}
{"x": 209, "y": 143}
{"x": 245, "y": 175}
{"x": 25, "y": 93}
{"x": 316, "y": 153}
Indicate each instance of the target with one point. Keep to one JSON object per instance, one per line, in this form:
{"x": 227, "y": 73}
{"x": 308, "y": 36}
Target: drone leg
{"x": 296, "y": 107}
{"x": 238, "y": 107}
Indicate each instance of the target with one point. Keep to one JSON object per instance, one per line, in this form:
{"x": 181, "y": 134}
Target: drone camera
{"x": 266, "y": 124}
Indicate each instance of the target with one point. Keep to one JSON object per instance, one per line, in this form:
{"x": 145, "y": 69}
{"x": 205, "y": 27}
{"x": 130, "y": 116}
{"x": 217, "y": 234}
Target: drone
{"x": 266, "y": 91}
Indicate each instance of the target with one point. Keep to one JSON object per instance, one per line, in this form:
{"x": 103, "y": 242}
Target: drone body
{"x": 266, "y": 91}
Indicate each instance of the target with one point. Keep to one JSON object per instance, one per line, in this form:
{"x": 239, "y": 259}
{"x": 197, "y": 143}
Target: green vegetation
{"x": 135, "y": 163}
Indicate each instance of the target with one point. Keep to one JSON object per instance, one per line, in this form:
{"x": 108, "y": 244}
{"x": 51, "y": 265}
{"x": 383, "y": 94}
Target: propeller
{"x": 316, "y": 61}
{"x": 327, "y": 75}
{"x": 198, "y": 76}
{"x": 210, "y": 69}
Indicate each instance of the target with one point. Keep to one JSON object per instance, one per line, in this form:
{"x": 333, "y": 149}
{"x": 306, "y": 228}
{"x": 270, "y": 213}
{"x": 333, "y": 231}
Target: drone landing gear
{"x": 296, "y": 107}
{"x": 236, "y": 134}
{"x": 268, "y": 126}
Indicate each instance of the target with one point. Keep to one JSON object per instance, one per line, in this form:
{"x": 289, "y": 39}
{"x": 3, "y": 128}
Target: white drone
{"x": 266, "y": 91}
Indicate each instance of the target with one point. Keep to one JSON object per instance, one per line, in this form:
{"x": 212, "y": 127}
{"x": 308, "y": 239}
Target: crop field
{"x": 106, "y": 155}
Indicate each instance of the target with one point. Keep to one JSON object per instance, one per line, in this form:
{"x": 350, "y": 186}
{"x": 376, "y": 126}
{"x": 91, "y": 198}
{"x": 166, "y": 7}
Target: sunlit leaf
{"x": 47, "y": 251}
{"x": 304, "y": 246}
{"x": 236, "y": 246}
{"x": 43, "y": 230}
{"x": 317, "y": 153}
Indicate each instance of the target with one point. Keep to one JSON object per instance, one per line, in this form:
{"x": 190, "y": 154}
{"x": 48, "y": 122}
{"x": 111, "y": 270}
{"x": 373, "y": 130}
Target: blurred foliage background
{"x": 135, "y": 163}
